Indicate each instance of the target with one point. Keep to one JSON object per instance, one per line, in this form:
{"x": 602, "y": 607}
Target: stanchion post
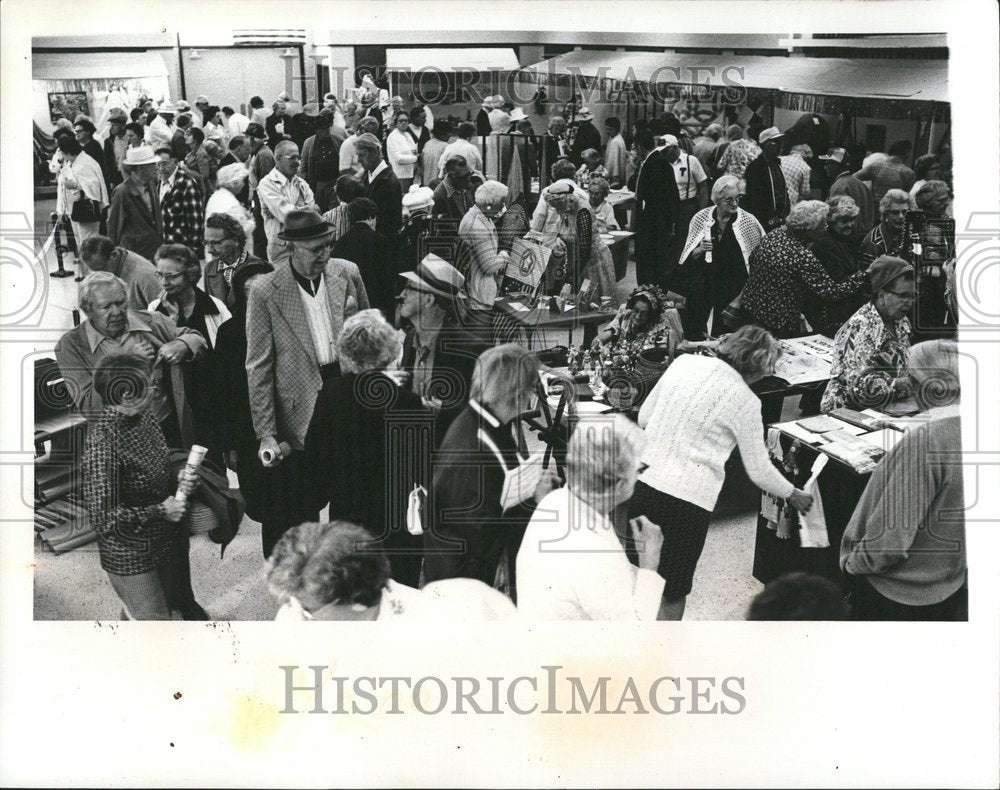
{"x": 60, "y": 248}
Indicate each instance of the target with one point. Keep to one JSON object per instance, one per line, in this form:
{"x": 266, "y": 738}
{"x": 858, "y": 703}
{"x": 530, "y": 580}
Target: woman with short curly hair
{"x": 700, "y": 410}
{"x": 784, "y": 272}
{"x": 368, "y": 441}
{"x": 838, "y": 249}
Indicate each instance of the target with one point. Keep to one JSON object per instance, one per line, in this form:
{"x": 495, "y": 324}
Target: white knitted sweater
{"x": 699, "y": 410}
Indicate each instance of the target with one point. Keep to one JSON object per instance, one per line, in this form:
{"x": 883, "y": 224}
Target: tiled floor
{"x": 73, "y": 586}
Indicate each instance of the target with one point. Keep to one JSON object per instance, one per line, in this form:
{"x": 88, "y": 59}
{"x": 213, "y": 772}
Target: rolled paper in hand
{"x": 195, "y": 457}
{"x": 268, "y": 457}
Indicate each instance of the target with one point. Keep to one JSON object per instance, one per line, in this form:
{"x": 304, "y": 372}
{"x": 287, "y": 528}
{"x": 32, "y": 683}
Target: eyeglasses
{"x": 907, "y": 296}
{"x": 166, "y": 276}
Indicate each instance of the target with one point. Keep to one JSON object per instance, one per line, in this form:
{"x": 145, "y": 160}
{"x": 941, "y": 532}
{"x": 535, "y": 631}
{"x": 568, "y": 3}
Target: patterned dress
{"x": 737, "y": 156}
{"x": 868, "y": 358}
{"x": 126, "y": 475}
{"x": 783, "y": 272}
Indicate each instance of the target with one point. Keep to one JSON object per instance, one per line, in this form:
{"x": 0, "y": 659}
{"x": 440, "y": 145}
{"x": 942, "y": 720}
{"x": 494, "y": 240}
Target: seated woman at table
{"x": 700, "y": 410}
{"x": 838, "y": 249}
{"x": 904, "y": 548}
{"x": 870, "y": 365}
{"x": 578, "y": 252}
{"x": 646, "y": 320}
{"x": 599, "y": 189}
{"x": 731, "y": 235}
{"x": 784, "y": 271}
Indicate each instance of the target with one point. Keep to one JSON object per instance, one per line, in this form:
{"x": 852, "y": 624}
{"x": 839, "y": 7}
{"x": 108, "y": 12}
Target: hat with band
{"x": 436, "y": 276}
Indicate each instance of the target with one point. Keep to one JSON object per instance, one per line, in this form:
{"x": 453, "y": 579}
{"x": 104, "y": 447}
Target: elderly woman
{"x": 870, "y": 366}
{"x": 838, "y": 250}
{"x": 604, "y": 216}
{"x": 476, "y": 530}
{"x": 904, "y": 548}
{"x": 128, "y": 490}
{"x": 784, "y": 272}
{"x": 716, "y": 256}
{"x": 184, "y": 303}
{"x": 578, "y": 252}
{"x": 347, "y": 188}
{"x": 334, "y": 572}
{"x": 82, "y": 192}
{"x": 571, "y": 565}
{"x": 231, "y": 179}
{"x": 644, "y": 321}
{"x": 926, "y": 168}
{"x": 84, "y": 131}
{"x": 478, "y": 233}
{"x": 697, "y": 414}
{"x": 886, "y": 238}
{"x": 937, "y": 249}
{"x": 401, "y": 150}
{"x": 363, "y": 443}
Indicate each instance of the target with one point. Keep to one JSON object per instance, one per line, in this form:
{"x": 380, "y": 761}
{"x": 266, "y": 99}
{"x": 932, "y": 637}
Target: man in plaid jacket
{"x": 182, "y": 204}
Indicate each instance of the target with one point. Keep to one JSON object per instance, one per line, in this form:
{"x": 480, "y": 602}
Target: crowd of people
{"x": 310, "y": 293}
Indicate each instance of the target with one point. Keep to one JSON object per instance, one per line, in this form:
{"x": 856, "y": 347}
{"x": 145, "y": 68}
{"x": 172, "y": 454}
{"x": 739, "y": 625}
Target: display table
{"x": 851, "y": 459}
{"x": 531, "y": 318}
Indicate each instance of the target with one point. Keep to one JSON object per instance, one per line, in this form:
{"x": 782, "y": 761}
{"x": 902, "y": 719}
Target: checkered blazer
{"x": 183, "y": 210}
{"x": 282, "y": 370}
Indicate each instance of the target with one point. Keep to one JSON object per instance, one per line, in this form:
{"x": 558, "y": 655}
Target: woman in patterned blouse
{"x": 127, "y": 484}
{"x": 784, "y": 272}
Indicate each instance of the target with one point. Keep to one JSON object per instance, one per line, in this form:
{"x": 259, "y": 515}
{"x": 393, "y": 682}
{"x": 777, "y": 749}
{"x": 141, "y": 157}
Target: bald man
{"x": 281, "y": 191}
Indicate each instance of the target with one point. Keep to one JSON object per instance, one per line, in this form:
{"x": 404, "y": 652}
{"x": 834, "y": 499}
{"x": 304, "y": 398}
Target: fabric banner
{"x": 528, "y": 261}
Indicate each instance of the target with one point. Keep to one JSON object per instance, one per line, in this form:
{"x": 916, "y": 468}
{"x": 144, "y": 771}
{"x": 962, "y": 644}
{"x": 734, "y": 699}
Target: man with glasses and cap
{"x": 294, "y": 317}
{"x": 438, "y": 354}
{"x": 870, "y": 365}
{"x": 766, "y": 194}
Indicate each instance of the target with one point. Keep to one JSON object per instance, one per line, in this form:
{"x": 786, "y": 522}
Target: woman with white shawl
{"x": 716, "y": 257}
{"x": 80, "y": 179}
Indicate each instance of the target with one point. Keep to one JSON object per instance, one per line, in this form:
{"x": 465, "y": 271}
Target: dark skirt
{"x": 684, "y": 526}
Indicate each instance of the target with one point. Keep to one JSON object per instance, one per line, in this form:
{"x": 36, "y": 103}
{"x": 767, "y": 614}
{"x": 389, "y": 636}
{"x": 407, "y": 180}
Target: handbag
{"x": 85, "y": 210}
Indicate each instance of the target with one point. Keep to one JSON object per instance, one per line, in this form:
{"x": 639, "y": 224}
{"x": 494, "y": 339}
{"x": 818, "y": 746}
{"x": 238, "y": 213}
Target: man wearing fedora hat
{"x": 438, "y": 354}
{"x": 766, "y": 194}
{"x": 586, "y": 136}
{"x": 294, "y": 317}
{"x": 281, "y": 191}
{"x": 135, "y": 220}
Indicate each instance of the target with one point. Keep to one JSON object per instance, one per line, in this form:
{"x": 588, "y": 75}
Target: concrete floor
{"x": 72, "y": 586}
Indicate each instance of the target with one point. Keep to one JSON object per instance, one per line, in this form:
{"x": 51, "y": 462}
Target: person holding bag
{"x": 84, "y": 191}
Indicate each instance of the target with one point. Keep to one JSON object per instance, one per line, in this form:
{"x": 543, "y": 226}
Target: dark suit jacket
{"x": 111, "y": 172}
{"x": 367, "y": 446}
{"x": 455, "y": 353}
{"x": 470, "y": 533}
{"x": 387, "y": 193}
{"x": 372, "y": 253}
{"x": 133, "y": 226}
{"x": 769, "y": 208}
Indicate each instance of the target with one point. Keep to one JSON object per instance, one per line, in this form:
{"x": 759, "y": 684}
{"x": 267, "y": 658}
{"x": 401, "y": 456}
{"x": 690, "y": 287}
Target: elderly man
{"x": 456, "y": 193}
{"x": 349, "y": 165}
{"x": 99, "y": 254}
{"x": 135, "y": 220}
{"x": 182, "y": 204}
{"x": 381, "y": 185}
{"x": 236, "y": 122}
{"x": 842, "y": 183}
{"x": 320, "y": 164}
{"x": 870, "y": 366}
{"x": 111, "y": 327}
{"x": 654, "y": 219}
{"x": 438, "y": 354}
{"x": 281, "y": 191}
{"x": 294, "y": 317}
{"x": 161, "y": 131}
{"x": 706, "y": 145}
{"x": 115, "y": 147}
{"x": 891, "y": 173}
{"x": 766, "y": 194}
{"x": 463, "y": 147}
{"x": 571, "y": 564}
{"x": 586, "y": 137}
{"x": 225, "y": 246}
{"x": 795, "y": 169}
{"x": 692, "y": 189}
{"x": 886, "y": 238}
{"x": 238, "y": 152}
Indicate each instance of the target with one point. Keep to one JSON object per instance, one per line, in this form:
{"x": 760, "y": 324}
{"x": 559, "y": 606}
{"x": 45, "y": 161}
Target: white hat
{"x": 771, "y": 133}
{"x": 140, "y": 155}
{"x": 435, "y": 275}
{"x": 518, "y": 114}
{"x": 584, "y": 114}
{"x": 417, "y": 198}
{"x": 669, "y": 140}
{"x": 167, "y": 107}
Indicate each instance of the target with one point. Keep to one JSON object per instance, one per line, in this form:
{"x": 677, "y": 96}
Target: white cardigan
{"x": 402, "y": 153}
{"x": 700, "y": 410}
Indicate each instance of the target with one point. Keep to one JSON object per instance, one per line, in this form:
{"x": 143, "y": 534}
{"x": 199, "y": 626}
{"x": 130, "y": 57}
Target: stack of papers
{"x": 884, "y": 439}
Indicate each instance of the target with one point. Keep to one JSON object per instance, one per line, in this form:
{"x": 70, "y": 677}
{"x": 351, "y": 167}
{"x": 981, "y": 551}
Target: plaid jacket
{"x": 183, "y": 210}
